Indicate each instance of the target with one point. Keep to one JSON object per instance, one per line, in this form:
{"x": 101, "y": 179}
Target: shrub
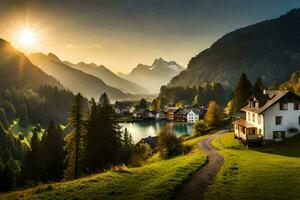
{"x": 292, "y": 130}
{"x": 168, "y": 143}
{"x": 138, "y": 156}
{"x": 199, "y": 127}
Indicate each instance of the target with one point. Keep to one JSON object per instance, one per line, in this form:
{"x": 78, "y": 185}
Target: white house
{"x": 192, "y": 116}
{"x": 272, "y": 116}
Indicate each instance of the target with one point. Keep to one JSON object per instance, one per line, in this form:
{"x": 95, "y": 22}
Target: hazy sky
{"x": 122, "y": 33}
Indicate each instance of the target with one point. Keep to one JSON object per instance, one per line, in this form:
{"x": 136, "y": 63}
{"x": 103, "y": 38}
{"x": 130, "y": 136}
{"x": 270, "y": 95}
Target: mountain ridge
{"x": 74, "y": 79}
{"x": 108, "y": 77}
{"x": 17, "y": 69}
{"x": 158, "y": 73}
{"x": 269, "y": 49}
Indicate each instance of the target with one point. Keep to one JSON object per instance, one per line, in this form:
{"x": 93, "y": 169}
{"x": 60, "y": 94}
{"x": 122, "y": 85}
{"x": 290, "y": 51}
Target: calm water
{"x": 140, "y": 130}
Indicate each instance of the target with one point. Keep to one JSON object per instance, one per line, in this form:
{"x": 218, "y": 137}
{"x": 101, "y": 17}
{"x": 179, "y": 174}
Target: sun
{"x": 27, "y": 38}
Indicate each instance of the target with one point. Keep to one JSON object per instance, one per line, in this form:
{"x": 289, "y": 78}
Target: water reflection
{"x": 139, "y": 130}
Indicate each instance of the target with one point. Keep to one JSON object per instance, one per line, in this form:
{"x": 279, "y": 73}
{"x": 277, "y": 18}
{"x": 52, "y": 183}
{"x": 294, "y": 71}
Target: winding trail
{"x": 197, "y": 186}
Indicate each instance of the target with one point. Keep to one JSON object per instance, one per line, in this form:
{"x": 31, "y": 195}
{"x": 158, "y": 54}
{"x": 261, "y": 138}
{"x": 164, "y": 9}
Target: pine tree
{"x": 31, "y": 169}
{"x": 103, "y": 138}
{"x": 76, "y": 120}
{"x": 242, "y": 92}
{"x": 128, "y": 145}
{"x": 92, "y": 139}
{"x": 51, "y": 154}
{"x": 196, "y": 100}
{"x": 7, "y": 179}
{"x": 258, "y": 87}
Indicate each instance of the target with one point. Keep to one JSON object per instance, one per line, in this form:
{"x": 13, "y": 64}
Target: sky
{"x": 123, "y": 33}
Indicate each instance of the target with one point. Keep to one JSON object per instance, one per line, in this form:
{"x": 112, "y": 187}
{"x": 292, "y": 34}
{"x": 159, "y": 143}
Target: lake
{"x": 140, "y": 130}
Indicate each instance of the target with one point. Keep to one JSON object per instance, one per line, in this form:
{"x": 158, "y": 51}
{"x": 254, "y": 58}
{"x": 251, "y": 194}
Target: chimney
{"x": 265, "y": 91}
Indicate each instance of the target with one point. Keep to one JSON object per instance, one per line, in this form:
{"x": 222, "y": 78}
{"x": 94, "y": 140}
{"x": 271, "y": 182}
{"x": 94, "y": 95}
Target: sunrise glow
{"x": 27, "y": 37}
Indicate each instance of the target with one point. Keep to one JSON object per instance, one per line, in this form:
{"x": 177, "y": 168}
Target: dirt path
{"x": 197, "y": 186}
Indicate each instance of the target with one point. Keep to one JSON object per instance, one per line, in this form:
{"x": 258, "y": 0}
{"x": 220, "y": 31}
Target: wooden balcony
{"x": 246, "y": 131}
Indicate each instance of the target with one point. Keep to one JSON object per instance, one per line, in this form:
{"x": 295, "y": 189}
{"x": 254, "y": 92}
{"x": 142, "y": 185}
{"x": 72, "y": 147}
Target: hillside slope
{"x": 17, "y": 70}
{"x": 159, "y": 179}
{"x": 270, "y": 49}
{"x": 108, "y": 77}
{"x": 74, "y": 79}
{"x": 154, "y": 76}
{"x": 246, "y": 170}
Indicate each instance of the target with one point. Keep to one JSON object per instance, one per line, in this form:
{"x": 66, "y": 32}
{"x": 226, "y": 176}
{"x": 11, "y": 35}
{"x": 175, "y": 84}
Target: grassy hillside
{"x": 260, "y": 173}
{"x": 159, "y": 179}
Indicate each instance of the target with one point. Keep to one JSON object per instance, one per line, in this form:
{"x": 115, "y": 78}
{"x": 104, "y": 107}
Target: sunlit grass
{"x": 159, "y": 179}
{"x": 258, "y": 173}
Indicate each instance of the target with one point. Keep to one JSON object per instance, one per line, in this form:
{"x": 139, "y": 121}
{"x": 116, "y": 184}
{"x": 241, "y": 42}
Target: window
{"x": 283, "y": 106}
{"x": 278, "y": 120}
{"x": 248, "y": 116}
{"x": 253, "y": 117}
{"x": 278, "y": 134}
{"x": 259, "y": 131}
{"x": 296, "y": 106}
{"x": 258, "y": 119}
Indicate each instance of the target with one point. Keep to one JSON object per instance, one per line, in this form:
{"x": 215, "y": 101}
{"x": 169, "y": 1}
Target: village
{"x": 131, "y": 112}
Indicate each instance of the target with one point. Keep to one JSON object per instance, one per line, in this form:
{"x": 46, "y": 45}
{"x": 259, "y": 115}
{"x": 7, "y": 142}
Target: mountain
{"x": 154, "y": 76}
{"x": 109, "y": 77}
{"x": 270, "y": 49}
{"x": 17, "y": 70}
{"x": 74, "y": 79}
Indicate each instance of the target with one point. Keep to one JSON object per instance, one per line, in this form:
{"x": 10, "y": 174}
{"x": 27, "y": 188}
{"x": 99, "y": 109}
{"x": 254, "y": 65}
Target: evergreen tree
{"x": 92, "y": 138}
{"x": 242, "y": 92}
{"x": 214, "y": 115}
{"x": 7, "y": 179}
{"x": 258, "y": 87}
{"x": 196, "y": 100}
{"x": 103, "y": 138}
{"x": 128, "y": 146}
{"x": 142, "y": 104}
{"x": 51, "y": 154}
{"x": 76, "y": 120}
{"x": 31, "y": 169}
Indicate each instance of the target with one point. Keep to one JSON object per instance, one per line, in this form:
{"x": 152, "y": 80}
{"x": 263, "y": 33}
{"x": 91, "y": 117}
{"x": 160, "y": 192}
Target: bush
{"x": 199, "y": 127}
{"x": 293, "y": 130}
{"x": 168, "y": 143}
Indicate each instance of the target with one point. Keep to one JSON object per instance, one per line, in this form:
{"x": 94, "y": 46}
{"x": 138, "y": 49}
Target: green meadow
{"x": 257, "y": 173}
{"x": 158, "y": 179}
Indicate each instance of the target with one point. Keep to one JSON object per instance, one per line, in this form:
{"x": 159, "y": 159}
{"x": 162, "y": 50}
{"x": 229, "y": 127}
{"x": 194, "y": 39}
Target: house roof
{"x": 266, "y": 101}
{"x": 197, "y": 112}
{"x": 152, "y": 141}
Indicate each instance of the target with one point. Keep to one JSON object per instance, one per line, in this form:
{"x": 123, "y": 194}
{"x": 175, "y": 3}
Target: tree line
{"x": 93, "y": 144}
{"x": 242, "y": 92}
{"x": 198, "y": 95}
